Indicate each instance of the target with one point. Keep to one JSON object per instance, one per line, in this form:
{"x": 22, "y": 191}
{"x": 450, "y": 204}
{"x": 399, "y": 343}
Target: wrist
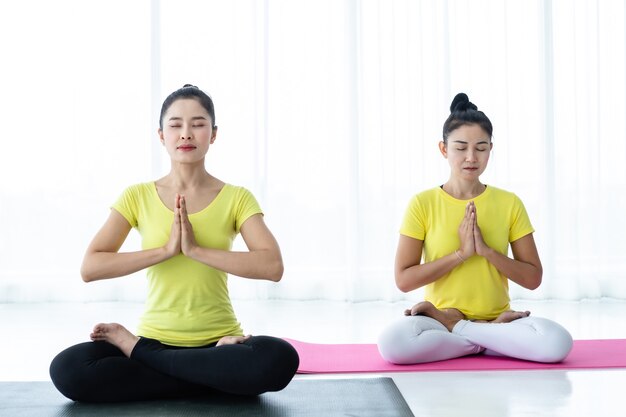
{"x": 487, "y": 253}
{"x": 465, "y": 254}
{"x": 459, "y": 256}
{"x": 192, "y": 252}
{"x": 166, "y": 253}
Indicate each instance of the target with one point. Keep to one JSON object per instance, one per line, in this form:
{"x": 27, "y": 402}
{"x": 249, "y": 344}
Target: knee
{"x": 286, "y": 362}
{"x": 73, "y": 370}
{"x": 559, "y": 346}
{"x": 393, "y": 340}
{"x": 279, "y": 363}
{"x": 64, "y": 376}
{"x": 556, "y": 341}
{"x": 387, "y": 344}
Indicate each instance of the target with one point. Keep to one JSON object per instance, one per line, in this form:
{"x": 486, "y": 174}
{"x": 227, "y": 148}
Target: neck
{"x": 463, "y": 190}
{"x": 185, "y": 176}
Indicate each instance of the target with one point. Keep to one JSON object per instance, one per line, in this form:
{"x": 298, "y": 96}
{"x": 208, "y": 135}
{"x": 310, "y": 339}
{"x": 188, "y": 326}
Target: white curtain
{"x": 330, "y": 112}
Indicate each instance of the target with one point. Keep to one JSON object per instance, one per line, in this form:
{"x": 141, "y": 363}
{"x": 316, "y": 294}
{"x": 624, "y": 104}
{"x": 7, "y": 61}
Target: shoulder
{"x": 236, "y": 192}
{"x": 240, "y": 199}
{"x": 426, "y": 196}
{"x": 423, "y": 203}
{"x": 137, "y": 192}
{"x": 504, "y": 196}
{"x": 240, "y": 203}
{"x": 142, "y": 188}
{"x": 131, "y": 200}
{"x": 136, "y": 195}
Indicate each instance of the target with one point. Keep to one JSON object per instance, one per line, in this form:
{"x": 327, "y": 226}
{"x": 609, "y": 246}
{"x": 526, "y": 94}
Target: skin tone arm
{"x": 525, "y": 269}
{"x": 262, "y": 261}
{"x": 410, "y": 273}
{"x": 102, "y": 259}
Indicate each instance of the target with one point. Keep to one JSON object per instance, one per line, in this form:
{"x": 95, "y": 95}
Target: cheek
{"x": 169, "y": 144}
{"x": 456, "y": 157}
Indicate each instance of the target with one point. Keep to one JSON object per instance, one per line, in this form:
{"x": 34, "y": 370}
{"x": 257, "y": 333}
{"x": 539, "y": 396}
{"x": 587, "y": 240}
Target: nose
{"x": 185, "y": 133}
{"x": 471, "y": 155}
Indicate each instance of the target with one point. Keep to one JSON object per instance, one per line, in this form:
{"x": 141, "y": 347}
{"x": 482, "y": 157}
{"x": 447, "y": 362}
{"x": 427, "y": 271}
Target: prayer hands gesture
{"x": 471, "y": 238}
{"x": 182, "y": 238}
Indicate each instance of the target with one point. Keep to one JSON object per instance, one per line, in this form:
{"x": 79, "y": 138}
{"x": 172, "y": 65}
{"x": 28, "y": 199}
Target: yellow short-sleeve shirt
{"x": 188, "y": 302}
{"x": 475, "y": 287}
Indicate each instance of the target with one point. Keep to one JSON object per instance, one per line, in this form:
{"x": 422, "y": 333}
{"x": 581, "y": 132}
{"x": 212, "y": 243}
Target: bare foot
{"x": 448, "y": 316}
{"x": 232, "y": 340}
{"x": 115, "y": 334}
{"x": 510, "y": 315}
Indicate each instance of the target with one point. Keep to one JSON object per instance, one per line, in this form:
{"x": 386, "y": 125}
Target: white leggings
{"x": 419, "y": 339}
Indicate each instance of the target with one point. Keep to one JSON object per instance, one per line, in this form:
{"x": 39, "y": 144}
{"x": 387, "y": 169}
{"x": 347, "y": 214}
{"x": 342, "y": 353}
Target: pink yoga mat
{"x": 337, "y": 358}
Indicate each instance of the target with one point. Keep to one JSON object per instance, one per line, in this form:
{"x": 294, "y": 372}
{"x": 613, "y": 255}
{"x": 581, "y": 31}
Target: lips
{"x": 186, "y": 148}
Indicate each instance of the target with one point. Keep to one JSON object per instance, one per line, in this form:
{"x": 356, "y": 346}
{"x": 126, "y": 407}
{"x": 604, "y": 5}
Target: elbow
{"x": 534, "y": 285}
{"x": 276, "y": 272}
{"x": 535, "y": 280}
{"x": 403, "y": 285}
{"x": 86, "y": 275}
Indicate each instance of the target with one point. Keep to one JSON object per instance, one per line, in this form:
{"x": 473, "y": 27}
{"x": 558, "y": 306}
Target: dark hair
{"x": 188, "y": 91}
{"x": 464, "y": 112}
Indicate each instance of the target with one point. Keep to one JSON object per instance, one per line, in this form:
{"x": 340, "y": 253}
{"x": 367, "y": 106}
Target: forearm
{"x": 417, "y": 276}
{"x": 105, "y": 265}
{"x": 257, "y": 264}
{"x": 525, "y": 274}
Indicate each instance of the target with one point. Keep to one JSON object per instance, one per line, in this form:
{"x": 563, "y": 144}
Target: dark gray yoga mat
{"x": 366, "y": 397}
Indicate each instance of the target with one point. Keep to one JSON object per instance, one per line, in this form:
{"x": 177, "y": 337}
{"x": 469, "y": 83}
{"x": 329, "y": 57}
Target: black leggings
{"x": 99, "y": 371}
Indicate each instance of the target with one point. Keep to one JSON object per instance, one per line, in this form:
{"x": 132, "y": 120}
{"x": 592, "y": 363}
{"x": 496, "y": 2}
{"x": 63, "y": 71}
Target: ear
{"x": 443, "y": 148}
{"x": 213, "y": 135}
{"x": 161, "y": 138}
{"x": 490, "y": 146}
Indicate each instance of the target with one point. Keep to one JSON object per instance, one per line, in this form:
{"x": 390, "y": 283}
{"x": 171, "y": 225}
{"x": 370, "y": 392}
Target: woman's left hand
{"x": 480, "y": 246}
{"x": 188, "y": 240}
{"x": 232, "y": 340}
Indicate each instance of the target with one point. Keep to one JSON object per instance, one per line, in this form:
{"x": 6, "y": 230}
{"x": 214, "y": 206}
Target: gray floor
{"x": 34, "y": 333}
{"x": 364, "y": 397}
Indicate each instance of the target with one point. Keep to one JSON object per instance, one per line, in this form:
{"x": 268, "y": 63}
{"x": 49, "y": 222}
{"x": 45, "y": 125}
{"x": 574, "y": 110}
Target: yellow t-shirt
{"x": 188, "y": 302}
{"x": 475, "y": 287}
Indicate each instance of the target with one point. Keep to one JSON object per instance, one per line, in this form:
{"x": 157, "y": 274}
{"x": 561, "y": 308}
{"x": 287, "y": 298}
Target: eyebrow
{"x": 193, "y": 118}
{"x": 483, "y": 142}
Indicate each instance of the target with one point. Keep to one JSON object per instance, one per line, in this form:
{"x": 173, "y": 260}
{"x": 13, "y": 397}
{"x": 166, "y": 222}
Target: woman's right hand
{"x": 172, "y": 247}
{"x": 466, "y": 232}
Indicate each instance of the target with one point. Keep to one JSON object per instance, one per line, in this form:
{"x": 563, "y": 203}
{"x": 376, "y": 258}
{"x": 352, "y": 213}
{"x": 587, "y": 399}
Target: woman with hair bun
{"x": 462, "y": 230}
{"x": 189, "y": 341}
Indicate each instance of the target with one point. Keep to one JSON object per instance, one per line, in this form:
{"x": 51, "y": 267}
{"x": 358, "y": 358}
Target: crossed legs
{"x": 126, "y": 368}
{"x": 434, "y": 335}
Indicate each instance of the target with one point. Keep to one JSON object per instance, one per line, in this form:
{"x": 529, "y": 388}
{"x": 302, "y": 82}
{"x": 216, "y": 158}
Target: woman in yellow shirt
{"x": 189, "y": 341}
{"x": 462, "y": 230}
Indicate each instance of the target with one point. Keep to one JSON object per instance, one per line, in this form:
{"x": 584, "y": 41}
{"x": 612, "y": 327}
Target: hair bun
{"x": 461, "y": 103}
{"x": 189, "y": 85}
